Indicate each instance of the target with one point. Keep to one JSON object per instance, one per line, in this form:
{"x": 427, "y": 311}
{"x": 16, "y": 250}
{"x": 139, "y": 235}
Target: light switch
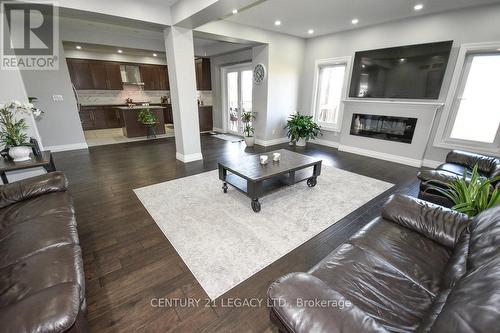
{"x": 57, "y": 98}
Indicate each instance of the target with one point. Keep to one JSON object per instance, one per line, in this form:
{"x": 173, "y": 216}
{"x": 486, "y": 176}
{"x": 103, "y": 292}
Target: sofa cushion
{"x": 52, "y": 310}
{"x": 40, "y": 271}
{"x": 374, "y": 286}
{"x": 456, "y": 169}
{"x": 406, "y": 251}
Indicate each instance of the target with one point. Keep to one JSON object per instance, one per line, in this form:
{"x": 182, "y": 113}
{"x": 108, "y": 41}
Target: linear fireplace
{"x": 399, "y": 129}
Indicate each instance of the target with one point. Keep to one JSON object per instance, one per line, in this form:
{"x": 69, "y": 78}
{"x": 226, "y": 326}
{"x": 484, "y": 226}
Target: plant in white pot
{"x": 301, "y": 128}
{"x": 13, "y": 128}
{"x": 247, "y": 118}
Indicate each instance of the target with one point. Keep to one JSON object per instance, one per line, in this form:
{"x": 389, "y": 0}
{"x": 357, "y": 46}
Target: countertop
{"x": 140, "y": 107}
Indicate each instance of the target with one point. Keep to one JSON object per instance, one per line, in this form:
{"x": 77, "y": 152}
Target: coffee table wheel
{"x": 256, "y": 205}
{"x": 311, "y": 182}
{"x": 224, "y": 187}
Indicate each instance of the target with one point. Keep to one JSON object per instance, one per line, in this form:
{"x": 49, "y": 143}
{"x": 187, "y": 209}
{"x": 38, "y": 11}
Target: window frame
{"x": 443, "y": 137}
{"x": 347, "y": 61}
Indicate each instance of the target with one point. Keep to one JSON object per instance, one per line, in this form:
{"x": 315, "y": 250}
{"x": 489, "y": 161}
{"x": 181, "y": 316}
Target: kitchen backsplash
{"x": 106, "y": 97}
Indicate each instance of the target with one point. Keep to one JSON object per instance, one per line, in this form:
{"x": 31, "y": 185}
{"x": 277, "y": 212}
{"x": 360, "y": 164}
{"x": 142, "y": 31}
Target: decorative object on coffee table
{"x": 13, "y": 128}
{"x": 43, "y": 160}
{"x": 247, "y": 119}
{"x": 255, "y": 180}
{"x": 301, "y": 128}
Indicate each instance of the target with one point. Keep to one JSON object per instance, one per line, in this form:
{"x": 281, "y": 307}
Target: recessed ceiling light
{"x": 155, "y": 55}
{"x": 402, "y": 60}
{"x": 277, "y": 23}
{"x": 418, "y": 7}
{"x": 355, "y": 21}
{"x": 120, "y": 51}
{"x": 78, "y": 47}
{"x": 310, "y": 31}
{"x": 235, "y": 11}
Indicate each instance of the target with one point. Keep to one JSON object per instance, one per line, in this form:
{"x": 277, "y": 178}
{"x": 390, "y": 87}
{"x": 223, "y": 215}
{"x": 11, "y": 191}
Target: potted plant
{"x": 471, "y": 195}
{"x": 13, "y": 128}
{"x": 247, "y": 118}
{"x": 148, "y": 119}
{"x": 301, "y": 128}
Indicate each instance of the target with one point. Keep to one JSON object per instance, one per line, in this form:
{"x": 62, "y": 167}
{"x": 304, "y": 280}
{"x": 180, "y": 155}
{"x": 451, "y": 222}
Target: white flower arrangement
{"x": 12, "y": 127}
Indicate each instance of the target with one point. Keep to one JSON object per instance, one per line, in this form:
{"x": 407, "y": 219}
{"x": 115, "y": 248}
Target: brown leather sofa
{"x": 418, "y": 267}
{"x": 457, "y": 162}
{"x": 42, "y": 285}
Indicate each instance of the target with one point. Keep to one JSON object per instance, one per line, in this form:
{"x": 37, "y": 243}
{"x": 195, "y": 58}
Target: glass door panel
{"x": 233, "y": 103}
{"x": 239, "y": 85}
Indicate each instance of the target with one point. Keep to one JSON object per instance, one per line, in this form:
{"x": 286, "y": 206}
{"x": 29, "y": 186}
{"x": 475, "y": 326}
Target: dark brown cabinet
{"x": 205, "y": 118}
{"x": 203, "y": 74}
{"x": 167, "y": 114}
{"x": 154, "y": 77}
{"x": 100, "y": 117}
{"x": 94, "y": 74}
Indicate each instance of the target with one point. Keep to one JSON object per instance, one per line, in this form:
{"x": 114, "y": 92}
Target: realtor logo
{"x": 29, "y": 36}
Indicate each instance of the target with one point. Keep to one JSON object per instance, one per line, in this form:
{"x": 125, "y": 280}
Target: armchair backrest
{"x": 487, "y": 165}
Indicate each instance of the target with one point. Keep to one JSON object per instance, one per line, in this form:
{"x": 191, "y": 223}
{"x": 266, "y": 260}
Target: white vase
{"x": 20, "y": 153}
{"x": 301, "y": 142}
{"x": 249, "y": 141}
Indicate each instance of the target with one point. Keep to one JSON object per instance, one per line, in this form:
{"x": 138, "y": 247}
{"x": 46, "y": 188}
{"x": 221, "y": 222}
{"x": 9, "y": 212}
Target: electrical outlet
{"x": 57, "y": 98}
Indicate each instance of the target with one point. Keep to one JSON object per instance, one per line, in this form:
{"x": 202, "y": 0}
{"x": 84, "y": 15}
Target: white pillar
{"x": 181, "y": 71}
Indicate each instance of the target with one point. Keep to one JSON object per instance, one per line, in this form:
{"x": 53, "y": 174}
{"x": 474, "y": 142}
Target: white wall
{"x": 215, "y": 66}
{"x": 283, "y": 56}
{"x": 480, "y": 24}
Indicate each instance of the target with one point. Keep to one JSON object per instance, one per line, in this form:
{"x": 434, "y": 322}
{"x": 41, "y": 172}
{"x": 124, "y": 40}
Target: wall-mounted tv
{"x": 406, "y": 72}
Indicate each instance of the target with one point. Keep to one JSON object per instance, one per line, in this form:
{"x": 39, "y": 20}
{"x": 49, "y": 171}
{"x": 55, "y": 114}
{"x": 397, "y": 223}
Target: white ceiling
{"x": 330, "y": 16}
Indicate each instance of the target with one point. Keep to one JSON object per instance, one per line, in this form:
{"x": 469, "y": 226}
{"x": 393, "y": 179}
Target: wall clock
{"x": 259, "y": 73}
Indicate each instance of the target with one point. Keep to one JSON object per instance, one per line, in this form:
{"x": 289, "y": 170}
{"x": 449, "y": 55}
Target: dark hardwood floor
{"x": 128, "y": 261}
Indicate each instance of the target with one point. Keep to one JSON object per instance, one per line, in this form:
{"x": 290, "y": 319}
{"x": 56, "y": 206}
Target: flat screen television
{"x": 405, "y": 72}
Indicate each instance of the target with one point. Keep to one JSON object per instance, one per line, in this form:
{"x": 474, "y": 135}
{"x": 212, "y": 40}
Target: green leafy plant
{"x": 301, "y": 126}
{"x": 13, "y": 127}
{"x": 146, "y": 117}
{"x": 470, "y": 195}
{"x": 247, "y": 118}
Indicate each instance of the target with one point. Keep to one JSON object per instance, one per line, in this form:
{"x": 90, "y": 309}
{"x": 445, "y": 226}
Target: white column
{"x": 181, "y": 71}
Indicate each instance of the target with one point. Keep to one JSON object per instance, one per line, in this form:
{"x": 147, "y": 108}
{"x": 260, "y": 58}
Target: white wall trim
{"x": 382, "y": 156}
{"x": 188, "y": 158}
{"x": 271, "y": 142}
{"x": 74, "y": 146}
{"x": 327, "y": 143}
{"x": 431, "y": 164}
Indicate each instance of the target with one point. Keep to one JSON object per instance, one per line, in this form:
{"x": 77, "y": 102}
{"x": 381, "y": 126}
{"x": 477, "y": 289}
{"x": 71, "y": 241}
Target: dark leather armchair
{"x": 457, "y": 162}
{"x": 42, "y": 284}
{"x": 418, "y": 267}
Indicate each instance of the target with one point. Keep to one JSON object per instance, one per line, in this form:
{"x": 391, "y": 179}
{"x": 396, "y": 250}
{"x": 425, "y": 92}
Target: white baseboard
{"x": 74, "y": 146}
{"x": 382, "y": 156}
{"x": 267, "y": 143}
{"x": 431, "y": 164}
{"x": 327, "y": 143}
{"x": 188, "y": 158}
{"x": 216, "y": 129}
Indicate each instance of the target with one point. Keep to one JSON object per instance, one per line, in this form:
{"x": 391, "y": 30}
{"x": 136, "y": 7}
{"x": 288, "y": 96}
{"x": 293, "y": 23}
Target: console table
{"x": 43, "y": 160}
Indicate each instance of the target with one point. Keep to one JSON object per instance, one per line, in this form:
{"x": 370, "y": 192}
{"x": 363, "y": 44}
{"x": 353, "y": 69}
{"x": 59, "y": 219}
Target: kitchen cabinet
{"x": 205, "y": 118}
{"x": 203, "y": 74}
{"x": 79, "y": 71}
{"x": 99, "y": 117}
{"x": 167, "y": 114}
{"x": 154, "y": 77}
{"x": 94, "y": 74}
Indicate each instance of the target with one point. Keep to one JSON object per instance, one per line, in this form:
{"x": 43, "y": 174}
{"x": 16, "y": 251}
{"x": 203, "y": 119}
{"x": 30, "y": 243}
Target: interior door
{"x": 239, "y": 84}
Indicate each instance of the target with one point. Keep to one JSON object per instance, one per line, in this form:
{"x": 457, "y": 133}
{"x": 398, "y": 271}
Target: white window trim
{"x": 442, "y": 138}
{"x": 325, "y": 62}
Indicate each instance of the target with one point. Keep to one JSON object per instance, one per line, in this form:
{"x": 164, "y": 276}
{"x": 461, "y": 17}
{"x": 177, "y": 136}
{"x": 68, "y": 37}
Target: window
{"x": 477, "y": 114}
{"x": 471, "y": 114}
{"x": 330, "y": 91}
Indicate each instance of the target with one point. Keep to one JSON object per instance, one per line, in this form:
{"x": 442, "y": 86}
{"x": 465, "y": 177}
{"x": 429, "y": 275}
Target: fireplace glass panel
{"x": 399, "y": 129}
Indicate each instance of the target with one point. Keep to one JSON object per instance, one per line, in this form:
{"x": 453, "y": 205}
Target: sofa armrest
{"x": 435, "y": 222}
{"x": 32, "y": 187}
{"x": 304, "y": 303}
{"x": 436, "y": 176}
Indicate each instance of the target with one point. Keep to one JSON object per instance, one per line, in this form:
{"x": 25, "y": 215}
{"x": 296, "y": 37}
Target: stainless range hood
{"x": 131, "y": 75}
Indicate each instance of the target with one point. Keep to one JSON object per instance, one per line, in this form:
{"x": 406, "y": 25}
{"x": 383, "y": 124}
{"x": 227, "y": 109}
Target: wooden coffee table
{"x": 255, "y": 180}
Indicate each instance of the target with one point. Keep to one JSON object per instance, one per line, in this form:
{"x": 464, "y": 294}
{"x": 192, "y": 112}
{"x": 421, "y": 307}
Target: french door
{"x": 238, "y": 83}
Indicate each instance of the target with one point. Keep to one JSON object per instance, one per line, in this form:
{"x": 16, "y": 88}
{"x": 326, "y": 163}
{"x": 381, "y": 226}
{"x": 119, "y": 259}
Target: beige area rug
{"x": 223, "y": 242}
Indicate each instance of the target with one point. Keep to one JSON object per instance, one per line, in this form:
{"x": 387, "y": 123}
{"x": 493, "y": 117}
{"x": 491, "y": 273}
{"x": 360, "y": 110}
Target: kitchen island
{"x": 133, "y": 128}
